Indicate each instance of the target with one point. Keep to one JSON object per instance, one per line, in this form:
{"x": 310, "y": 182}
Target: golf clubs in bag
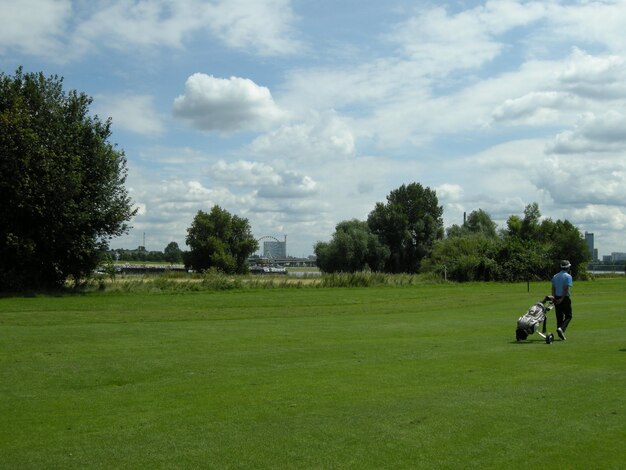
{"x": 528, "y": 323}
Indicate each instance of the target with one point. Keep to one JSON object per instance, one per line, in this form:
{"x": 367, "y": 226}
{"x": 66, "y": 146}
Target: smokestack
{"x": 464, "y": 217}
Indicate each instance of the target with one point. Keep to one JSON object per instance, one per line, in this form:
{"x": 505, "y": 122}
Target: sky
{"x": 300, "y": 114}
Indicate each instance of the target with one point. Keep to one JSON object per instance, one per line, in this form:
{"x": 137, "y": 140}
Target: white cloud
{"x": 245, "y": 173}
{"x": 535, "y": 108}
{"x": 226, "y": 105}
{"x": 33, "y": 26}
{"x": 592, "y": 22}
{"x": 450, "y": 192}
{"x": 262, "y": 25}
{"x": 266, "y": 181}
{"x": 592, "y": 134}
{"x": 440, "y": 42}
{"x": 500, "y": 16}
{"x": 320, "y": 136}
{"x": 540, "y": 92}
{"x": 288, "y": 211}
{"x": 292, "y": 185}
{"x": 499, "y": 180}
{"x": 606, "y": 218}
{"x": 62, "y": 29}
{"x": 514, "y": 157}
{"x": 396, "y": 100}
{"x": 135, "y": 113}
{"x": 179, "y": 200}
{"x": 563, "y": 90}
{"x": 580, "y": 180}
{"x": 598, "y": 77}
{"x": 139, "y": 24}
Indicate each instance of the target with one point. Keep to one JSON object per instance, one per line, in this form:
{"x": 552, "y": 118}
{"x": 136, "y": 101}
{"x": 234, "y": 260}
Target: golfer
{"x": 561, "y": 283}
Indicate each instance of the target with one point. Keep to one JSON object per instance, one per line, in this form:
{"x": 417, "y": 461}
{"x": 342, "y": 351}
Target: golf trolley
{"x": 528, "y": 323}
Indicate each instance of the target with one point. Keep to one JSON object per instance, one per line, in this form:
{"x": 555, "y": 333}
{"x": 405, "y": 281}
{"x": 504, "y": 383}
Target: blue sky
{"x": 298, "y": 114}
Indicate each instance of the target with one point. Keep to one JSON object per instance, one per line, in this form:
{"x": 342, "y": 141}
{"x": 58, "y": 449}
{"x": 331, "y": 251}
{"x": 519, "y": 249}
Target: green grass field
{"x": 425, "y": 376}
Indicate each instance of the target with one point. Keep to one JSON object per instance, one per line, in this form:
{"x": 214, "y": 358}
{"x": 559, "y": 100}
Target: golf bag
{"x": 528, "y": 323}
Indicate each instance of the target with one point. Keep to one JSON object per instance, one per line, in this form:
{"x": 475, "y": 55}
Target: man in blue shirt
{"x": 561, "y": 283}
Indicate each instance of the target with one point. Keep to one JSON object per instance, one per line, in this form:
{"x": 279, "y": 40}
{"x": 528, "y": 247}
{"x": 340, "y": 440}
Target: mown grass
{"x": 412, "y": 376}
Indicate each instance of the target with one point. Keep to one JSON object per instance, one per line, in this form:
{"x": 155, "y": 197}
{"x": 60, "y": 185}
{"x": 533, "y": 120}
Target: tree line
{"x": 63, "y": 198}
{"x": 170, "y": 254}
{"x": 406, "y": 234}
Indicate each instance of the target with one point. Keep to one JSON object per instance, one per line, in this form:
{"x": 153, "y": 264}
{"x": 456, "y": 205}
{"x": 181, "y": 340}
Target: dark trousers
{"x": 563, "y": 313}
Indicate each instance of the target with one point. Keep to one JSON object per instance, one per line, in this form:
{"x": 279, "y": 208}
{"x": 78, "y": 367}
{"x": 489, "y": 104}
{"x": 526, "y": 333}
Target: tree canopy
{"x": 478, "y": 222}
{"x": 62, "y": 194}
{"x": 408, "y": 224}
{"x": 468, "y": 257}
{"x": 173, "y": 253}
{"x": 353, "y": 248}
{"x": 219, "y": 240}
{"x": 527, "y": 249}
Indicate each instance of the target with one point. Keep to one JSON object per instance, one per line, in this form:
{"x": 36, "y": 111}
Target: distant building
{"x": 275, "y": 249}
{"x": 618, "y": 256}
{"x": 592, "y": 251}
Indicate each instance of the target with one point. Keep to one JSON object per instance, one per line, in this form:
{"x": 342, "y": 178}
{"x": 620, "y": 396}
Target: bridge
{"x": 283, "y": 262}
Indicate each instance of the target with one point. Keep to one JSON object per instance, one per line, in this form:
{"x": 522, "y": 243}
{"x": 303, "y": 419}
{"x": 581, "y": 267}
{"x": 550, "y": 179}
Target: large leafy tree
{"x": 468, "y": 257}
{"x": 409, "y": 223}
{"x": 172, "y": 253}
{"x": 525, "y": 254}
{"x": 353, "y": 248}
{"x": 62, "y": 194}
{"x": 219, "y": 240}
{"x": 534, "y": 248}
{"x": 521, "y": 259}
{"x": 478, "y": 222}
{"x": 565, "y": 241}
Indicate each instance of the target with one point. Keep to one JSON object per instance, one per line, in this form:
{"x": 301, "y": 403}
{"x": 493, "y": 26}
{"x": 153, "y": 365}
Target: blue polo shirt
{"x": 560, "y": 281}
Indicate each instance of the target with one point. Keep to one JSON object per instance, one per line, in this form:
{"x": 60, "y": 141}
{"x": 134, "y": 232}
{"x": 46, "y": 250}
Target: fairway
{"x": 425, "y": 376}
